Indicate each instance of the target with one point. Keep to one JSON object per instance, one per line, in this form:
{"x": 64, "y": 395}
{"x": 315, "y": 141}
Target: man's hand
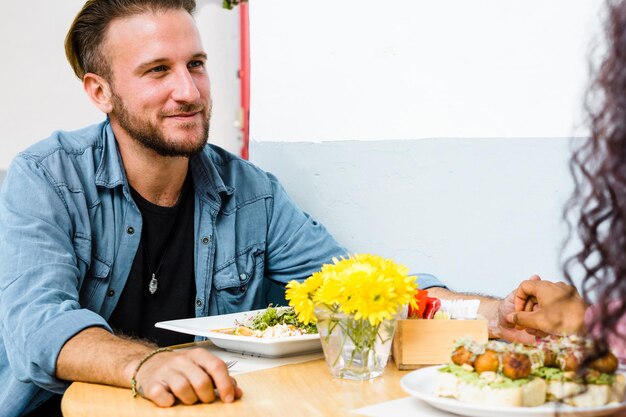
{"x": 187, "y": 375}
{"x": 505, "y": 329}
{"x": 95, "y": 355}
{"x": 548, "y": 307}
{"x": 494, "y": 311}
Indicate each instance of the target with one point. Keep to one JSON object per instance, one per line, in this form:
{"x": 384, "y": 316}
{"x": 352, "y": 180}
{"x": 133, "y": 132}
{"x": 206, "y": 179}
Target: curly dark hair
{"x": 83, "y": 42}
{"x": 598, "y": 202}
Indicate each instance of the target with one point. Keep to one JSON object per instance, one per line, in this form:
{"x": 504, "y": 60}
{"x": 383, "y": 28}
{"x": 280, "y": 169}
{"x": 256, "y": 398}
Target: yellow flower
{"x": 367, "y": 286}
{"x": 300, "y": 296}
{"x": 330, "y": 292}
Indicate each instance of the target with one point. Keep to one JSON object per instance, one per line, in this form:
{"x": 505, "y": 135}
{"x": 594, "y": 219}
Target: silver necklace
{"x": 153, "y": 285}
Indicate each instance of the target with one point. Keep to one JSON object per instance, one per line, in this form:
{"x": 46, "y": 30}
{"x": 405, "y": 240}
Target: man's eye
{"x": 196, "y": 64}
{"x": 160, "y": 68}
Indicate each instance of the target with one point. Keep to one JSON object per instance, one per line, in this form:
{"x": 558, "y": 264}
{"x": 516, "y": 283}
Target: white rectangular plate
{"x": 421, "y": 384}
{"x": 271, "y": 348}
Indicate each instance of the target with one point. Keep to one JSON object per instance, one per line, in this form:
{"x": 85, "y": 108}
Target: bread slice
{"x": 447, "y": 385}
{"x": 618, "y": 390}
{"x": 489, "y": 389}
{"x": 530, "y": 394}
{"x": 534, "y": 393}
{"x": 590, "y": 395}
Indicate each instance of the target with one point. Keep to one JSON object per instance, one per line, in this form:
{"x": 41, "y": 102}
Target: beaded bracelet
{"x": 133, "y": 380}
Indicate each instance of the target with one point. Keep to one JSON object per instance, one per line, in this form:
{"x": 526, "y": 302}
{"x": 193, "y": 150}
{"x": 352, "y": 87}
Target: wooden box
{"x": 420, "y": 342}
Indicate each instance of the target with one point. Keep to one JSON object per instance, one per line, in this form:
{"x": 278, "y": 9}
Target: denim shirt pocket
{"x": 95, "y": 284}
{"x": 94, "y": 273}
{"x": 238, "y": 282}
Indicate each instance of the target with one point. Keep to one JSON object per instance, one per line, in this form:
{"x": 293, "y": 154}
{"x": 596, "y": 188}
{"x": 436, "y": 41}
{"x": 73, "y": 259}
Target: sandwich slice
{"x": 503, "y": 374}
{"x": 598, "y": 386}
{"x": 492, "y": 374}
{"x": 490, "y": 388}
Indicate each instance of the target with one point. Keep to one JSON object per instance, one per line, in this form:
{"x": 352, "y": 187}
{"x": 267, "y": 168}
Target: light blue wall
{"x": 482, "y": 214}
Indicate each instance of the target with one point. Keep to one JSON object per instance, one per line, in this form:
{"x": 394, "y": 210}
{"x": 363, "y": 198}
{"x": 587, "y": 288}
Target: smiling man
{"x": 112, "y": 228}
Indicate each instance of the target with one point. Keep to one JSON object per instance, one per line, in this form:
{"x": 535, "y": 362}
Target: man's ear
{"x": 99, "y": 91}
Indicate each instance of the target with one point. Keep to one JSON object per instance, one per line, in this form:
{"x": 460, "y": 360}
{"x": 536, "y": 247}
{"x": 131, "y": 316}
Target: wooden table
{"x": 304, "y": 389}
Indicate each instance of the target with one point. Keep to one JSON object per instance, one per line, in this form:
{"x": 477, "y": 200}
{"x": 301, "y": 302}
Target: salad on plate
{"x": 273, "y": 322}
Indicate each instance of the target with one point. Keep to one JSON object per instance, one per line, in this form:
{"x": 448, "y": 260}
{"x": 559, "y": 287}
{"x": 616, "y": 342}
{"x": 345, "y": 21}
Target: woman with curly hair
{"x": 599, "y": 205}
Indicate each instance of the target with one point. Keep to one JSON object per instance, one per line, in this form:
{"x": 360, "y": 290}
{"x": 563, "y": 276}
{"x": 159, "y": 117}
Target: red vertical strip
{"x": 244, "y": 75}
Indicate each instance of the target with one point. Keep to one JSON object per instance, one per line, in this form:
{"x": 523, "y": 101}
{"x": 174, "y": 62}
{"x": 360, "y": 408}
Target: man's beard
{"x": 151, "y": 137}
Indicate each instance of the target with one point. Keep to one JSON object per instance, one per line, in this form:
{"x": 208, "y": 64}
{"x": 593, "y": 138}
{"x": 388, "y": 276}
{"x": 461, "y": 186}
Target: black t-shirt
{"x": 167, "y": 238}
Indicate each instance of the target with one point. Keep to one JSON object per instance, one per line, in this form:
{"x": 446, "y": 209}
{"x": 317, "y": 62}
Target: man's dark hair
{"x": 84, "y": 40}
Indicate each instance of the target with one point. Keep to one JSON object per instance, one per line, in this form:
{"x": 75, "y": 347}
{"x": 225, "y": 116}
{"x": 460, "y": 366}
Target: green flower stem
{"x": 343, "y": 342}
{"x": 362, "y": 334}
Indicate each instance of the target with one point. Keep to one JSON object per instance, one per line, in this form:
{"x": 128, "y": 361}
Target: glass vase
{"x": 354, "y": 349}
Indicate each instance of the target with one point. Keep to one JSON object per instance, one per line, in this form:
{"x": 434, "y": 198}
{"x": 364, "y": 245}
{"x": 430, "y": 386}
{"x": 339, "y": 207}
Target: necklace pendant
{"x": 153, "y": 285}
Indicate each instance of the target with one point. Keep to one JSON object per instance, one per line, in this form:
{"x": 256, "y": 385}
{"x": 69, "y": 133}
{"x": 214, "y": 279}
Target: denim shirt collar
{"x": 208, "y": 179}
{"x": 111, "y": 173}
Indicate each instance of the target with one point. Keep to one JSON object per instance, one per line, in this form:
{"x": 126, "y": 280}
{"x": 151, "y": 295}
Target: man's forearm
{"x": 488, "y": 306}
{"x": 95, "y": 355}
{"x": 188, "y": 376}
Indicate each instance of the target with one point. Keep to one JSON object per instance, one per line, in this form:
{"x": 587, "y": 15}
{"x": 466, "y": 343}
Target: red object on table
{"x": 416, "y": 313}
{"x": 432, "y": 306}
{"x": 426, "y": 306}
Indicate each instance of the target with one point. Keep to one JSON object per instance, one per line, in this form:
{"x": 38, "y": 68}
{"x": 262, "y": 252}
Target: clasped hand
{"x": 187, "y": 375}
{"x": 539, "y": 308}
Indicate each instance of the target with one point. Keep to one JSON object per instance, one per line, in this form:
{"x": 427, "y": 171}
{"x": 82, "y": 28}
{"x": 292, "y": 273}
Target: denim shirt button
{"x": 206, "y": 240}
{"x": 243, "y": 277}
{"x": 199, "y": 302}
{"x": 130, "y": 230}
{"x": 111, "y": 293}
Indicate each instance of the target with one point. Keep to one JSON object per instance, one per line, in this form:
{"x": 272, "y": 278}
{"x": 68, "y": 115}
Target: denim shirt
{"x": 70, "y": 231}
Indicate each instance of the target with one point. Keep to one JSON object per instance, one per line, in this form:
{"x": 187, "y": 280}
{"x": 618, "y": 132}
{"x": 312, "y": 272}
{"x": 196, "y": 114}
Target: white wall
{"x": 480, "y": 214}
{"x": 41, "y": 94}
{"x": 442, "y": 76}
{"x": 407, "y": 69}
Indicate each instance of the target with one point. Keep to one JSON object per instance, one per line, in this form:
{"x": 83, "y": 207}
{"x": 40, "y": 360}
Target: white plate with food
{"x": 236, "y": 333}
{"x": 421, "y": 384}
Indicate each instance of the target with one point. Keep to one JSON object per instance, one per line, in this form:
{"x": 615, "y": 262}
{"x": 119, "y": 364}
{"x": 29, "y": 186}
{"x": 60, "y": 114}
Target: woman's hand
{"x": 548, "y": 307}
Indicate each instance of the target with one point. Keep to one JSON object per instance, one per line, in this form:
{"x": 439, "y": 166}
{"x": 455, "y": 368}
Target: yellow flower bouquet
{"x": 355, "y": 302}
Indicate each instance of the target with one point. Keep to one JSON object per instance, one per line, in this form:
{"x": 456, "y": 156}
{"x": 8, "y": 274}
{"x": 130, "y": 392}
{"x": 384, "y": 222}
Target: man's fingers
{"x": 202, "y": 384}
{"x": 158, "y": 394}
{"x": 221, "y": 379}
{"x": 182, "y": 389}
{"x": 216, "y": 369}
{"x": 189, "y": 376}
{"x": 238, "y": 391}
